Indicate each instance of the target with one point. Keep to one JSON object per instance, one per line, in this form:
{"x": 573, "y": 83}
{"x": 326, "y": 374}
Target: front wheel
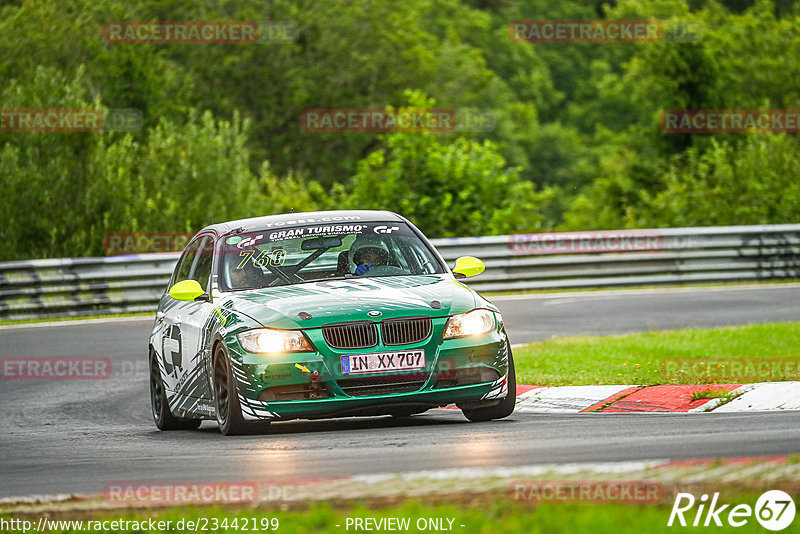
{"x": 229, "y": 411}
{"x": 158, "y": 402}
{"x": 506, "y": 406}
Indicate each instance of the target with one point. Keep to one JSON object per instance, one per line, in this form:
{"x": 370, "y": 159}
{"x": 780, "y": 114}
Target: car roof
{"x": 302, "y": 218}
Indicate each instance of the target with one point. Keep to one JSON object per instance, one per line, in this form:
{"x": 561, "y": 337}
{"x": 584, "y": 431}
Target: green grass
{"x": 638, "y": 358}
{"x": 709, "y": 394}
{"x": 498, "y": 515}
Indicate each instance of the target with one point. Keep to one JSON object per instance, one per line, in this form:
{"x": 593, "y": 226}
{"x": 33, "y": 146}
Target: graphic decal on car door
{"x": 171, "y": 350}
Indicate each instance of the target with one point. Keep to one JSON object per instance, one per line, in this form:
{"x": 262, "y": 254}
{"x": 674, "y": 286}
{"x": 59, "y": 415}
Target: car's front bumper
{"x": 481, "y": 361}
{"x": 365, "y": 405}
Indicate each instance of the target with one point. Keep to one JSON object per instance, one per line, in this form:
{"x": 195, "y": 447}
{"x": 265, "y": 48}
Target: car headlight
{"x": 469, "y": 324}
{"x": 267, "y": 340}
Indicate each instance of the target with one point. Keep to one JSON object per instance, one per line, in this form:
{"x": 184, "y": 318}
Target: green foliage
{"x": 753, "y": 182}
{"x": 744, "y": 60}
{"x": 173, "y": 180}
{"x": 167, "y": 184}
{"x": 460, "y": 188}
{"x": 576, "y": 142}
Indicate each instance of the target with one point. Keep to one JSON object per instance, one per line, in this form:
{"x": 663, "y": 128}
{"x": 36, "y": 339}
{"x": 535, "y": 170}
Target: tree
{"x": 459, "y": 188}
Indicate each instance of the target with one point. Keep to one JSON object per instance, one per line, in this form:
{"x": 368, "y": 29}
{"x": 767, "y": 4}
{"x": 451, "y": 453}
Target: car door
{"x": 196, "y": 332}
{"x": 168, "y": 320}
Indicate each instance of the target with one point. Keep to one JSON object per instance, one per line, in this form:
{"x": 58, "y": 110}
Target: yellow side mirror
{"x": 467, "y": 266}
{"x": 187, "y": 291}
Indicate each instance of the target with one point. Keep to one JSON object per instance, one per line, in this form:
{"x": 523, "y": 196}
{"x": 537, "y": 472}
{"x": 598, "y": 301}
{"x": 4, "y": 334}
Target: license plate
{"x": 353, "y": 364}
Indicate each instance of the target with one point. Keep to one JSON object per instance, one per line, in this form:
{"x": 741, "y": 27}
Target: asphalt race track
{"x": 537, "y": 317}
{"x": 77, "y": 436}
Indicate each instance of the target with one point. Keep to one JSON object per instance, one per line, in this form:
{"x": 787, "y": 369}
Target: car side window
{"x": 202, "y": 269}
{"x": 184, "y": 268}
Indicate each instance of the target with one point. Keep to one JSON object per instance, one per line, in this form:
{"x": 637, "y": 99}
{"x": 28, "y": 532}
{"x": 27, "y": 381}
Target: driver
{"x": 248, "y": 277}
{"x": 368, "y": 256}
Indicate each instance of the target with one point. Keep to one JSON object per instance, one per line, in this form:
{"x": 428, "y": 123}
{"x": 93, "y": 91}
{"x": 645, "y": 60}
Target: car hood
{"x": 350, "y": 299}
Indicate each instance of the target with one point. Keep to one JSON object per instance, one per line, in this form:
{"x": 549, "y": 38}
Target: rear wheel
{"x": 158, "y": 401}
{"x": 229, "y": 411}
{"x": 506, "y": 406}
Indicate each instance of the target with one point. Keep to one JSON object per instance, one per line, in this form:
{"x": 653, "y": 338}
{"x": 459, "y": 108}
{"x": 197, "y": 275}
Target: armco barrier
{"x": 86, "y": 286}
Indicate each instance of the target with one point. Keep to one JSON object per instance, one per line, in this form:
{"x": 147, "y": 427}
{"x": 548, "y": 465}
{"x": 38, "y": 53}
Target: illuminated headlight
{"x": 267, "y": 340}
{"x": 469, "y": 324}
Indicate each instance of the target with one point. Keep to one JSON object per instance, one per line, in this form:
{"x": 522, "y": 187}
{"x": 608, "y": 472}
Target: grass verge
{"x": 740, "y": 354}
{"x": 479, "y": 515}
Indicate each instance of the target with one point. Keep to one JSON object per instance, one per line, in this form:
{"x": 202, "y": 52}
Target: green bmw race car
{"x": 323, "y": 314}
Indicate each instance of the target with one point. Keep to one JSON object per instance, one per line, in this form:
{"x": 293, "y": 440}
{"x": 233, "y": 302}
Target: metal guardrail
{"x": 134, "y": 283}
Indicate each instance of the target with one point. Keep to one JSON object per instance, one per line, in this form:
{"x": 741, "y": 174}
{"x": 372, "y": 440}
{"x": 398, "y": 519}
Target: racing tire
{"x": 226, "y": 398}
{"x": 505, "y": 407}
{"x": 160, "y": 407}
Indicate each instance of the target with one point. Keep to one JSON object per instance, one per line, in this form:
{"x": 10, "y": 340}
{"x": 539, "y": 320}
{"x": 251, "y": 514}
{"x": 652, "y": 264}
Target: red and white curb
{"x": 765, "y": 396}
{"x": 664, "y": 398}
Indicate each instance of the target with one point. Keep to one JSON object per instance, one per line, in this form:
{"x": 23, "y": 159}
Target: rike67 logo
{"x": 774, "y": 510}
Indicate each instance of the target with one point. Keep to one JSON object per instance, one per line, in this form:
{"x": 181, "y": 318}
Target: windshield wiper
{"x": 345, "y": 277}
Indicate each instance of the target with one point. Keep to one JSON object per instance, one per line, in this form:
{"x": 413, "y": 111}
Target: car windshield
{"x": 297, "y": 254}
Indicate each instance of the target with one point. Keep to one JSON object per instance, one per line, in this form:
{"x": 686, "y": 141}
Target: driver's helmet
{"x": 246, "y": 276}
{"x": 366, "y": 245}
